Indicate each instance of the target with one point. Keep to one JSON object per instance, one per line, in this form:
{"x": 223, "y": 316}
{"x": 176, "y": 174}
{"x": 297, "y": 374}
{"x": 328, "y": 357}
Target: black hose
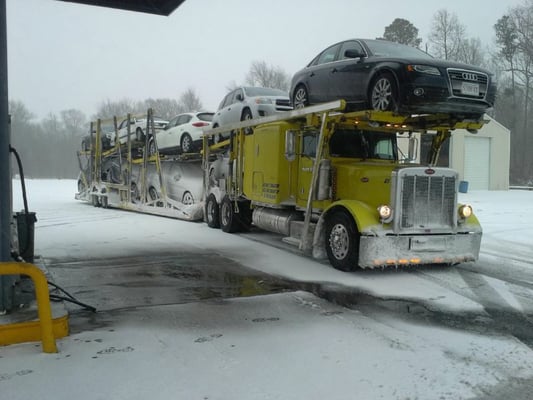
{"x": 69, "y": 297}
{"x": 24, "y": 198}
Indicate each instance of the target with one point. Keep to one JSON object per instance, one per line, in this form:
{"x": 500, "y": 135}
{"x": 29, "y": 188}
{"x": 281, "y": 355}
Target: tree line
{"x": 48, "y": 147}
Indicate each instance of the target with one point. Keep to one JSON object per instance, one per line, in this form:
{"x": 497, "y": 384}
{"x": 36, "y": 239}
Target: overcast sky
{"x": 64, "y": 55}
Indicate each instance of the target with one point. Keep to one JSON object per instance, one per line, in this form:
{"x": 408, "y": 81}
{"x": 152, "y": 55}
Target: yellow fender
{"x": 363, "y": 215}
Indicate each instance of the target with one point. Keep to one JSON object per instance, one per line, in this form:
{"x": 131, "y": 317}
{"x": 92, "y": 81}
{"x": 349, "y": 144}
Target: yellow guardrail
{"x": 44, "y": 309}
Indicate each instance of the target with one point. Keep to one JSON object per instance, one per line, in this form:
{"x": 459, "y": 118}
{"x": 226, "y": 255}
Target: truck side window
{"x": 309, "y": 145}
{"x": 347, "y": 143}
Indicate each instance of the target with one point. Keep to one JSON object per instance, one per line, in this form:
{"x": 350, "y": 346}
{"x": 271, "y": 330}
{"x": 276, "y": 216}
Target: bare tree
{"x": 189, "y": 101}
{"x": 402, "y": 31}
{"x": 264, "y": 75}
{"x": 164, "y": 108}
{"x": 447, "y": 35}
{"x": 73, "y": 120}
{"x": 471, "y": 52}
{"x": 110, "y": 109}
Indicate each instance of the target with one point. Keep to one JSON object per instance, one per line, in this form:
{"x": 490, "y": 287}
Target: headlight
{"x": 385, "y": 213}
{"x": 424, "y": 69}
{"x": 262, "y": 100}
{"x": 465, "y": 211}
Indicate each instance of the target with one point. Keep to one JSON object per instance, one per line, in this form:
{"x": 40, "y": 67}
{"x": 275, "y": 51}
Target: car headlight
{"x": 385, "y": 213}
{"x": 465, "y": 211}
{"x": 261, "y": 100}
{"x": 424, "y": 69}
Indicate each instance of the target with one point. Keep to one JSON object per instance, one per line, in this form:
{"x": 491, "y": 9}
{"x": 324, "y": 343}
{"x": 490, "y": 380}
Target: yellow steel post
{"x": 44, "y": 309}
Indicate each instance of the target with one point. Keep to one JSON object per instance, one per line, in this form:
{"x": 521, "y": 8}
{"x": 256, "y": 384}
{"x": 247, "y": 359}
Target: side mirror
{"x": 290, "y": 145}
{"x": 353, "y": 53}
{"x": 239, "y": 97}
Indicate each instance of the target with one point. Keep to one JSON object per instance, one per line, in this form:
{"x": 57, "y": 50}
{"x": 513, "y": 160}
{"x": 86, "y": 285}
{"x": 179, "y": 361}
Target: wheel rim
{"x": 185, "y": 143}
{"x": 152, "y": 148}
{"x": 300, "y": 98}
{"x": 382, "y": 95}
{"x": 187, "y": 199}
{"x": 339, "y": 241}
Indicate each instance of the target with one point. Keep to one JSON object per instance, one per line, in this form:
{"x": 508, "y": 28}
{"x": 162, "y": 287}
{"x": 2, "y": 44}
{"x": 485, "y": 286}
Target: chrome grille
{"x": 427, "y": 202}
{"x": 283, "y": 105}
{"x": 461, "y": 80}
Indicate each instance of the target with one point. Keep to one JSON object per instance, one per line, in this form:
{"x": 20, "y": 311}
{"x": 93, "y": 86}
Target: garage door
{"x": 477, "y": 162}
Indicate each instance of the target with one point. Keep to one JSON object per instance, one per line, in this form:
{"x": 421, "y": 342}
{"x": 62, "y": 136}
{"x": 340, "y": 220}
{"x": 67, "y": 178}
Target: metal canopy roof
{"x": 159, "y": 7}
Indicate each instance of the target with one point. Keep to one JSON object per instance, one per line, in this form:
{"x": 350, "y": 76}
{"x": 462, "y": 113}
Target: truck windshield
{"x": 356, "y": 143}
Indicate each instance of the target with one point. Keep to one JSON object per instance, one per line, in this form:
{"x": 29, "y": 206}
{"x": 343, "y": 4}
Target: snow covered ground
{"x": 289, "y": 345}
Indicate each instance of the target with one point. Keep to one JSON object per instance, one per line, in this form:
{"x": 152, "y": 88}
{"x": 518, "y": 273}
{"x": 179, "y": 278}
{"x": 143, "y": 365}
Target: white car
{"x": 137, "y": 129}
{"x": 182, "y": 132}
{"x": 250, "y": 102}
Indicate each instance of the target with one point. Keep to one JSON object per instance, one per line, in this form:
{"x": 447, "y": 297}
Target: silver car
{"x": 250, "y": 102}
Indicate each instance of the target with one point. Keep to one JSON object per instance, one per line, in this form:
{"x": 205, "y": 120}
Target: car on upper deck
{"x": 388, "y": 76}
{"x": 245, "y": 103}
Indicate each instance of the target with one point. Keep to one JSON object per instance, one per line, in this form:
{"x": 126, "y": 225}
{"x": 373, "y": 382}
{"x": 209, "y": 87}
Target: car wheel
{"x": 81, "y": 186}
{"x": 383, "y": 93}
{"x": 342, "y": 241}
{"x": 301, "y": 98}
{"x": 139, "y": 134}
{"x": 134, "y": 193}
{"x": 229, "y": 219}
{"x": 151, "y": 147}
{"x": 212, "y": 212}
{"x": 85, "y": 145}
{"x": 186, "y": 143}
{"x": 187, "y": 199}
{"x": 246, "y": 114}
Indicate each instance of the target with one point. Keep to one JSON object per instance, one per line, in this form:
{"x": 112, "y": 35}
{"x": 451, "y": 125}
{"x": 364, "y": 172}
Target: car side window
{"x": 328, "y": 55}
{"x": 171, "y": 123}
{"x": 350, "y": 45}
{"x": 123, "y": 124}
{"x": 183, "y": 119}
{"x": 228, "y": 100}
{"x": 237, "y": 93}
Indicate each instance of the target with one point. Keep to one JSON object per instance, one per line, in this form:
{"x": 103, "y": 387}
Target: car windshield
{"x": 382, "y": 48}
{"x": 259, "y": 91}
{"x": 205, "y": 117}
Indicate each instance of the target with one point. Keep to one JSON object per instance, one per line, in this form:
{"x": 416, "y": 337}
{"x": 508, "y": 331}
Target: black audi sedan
{"x": 388, "y": 76}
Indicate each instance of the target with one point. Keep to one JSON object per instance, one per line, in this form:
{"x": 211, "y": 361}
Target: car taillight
{"x": 199, "y": 124}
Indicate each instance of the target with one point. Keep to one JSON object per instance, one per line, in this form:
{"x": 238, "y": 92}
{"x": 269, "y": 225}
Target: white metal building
{"x": 482, "y": 159}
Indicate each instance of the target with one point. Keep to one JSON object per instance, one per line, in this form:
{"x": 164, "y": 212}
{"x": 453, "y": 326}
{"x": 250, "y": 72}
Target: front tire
{"x": 212, "y": 212}
{"x": 300, "y": 98}
{"x": 342, "y": 241}
{"x": 246, "y": 115}
{"x": 383, "y": 94}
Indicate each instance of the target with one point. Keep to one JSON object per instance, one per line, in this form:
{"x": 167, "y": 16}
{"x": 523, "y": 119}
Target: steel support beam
{"x": 5, "y": 170}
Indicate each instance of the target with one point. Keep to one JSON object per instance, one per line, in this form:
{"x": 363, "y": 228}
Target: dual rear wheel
{"x": 229, "y": 215}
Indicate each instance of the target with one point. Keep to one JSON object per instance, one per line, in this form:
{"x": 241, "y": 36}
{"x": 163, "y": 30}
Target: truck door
{"x": 306, "y": 161}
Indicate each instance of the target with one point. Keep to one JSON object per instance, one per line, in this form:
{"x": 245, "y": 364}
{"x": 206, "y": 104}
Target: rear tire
{"x": 246, "y": 115}
{"x": 187, "y": 198}
{"x": 186, "y": 143}
{"x": 342, "y": 241}
{"x": 229, "y": 219}
{"x": 212, "y": 212}
{"x": 139, "y": 134}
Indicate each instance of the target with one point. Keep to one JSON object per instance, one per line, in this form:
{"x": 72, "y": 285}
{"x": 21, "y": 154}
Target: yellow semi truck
{"x": 343, "y": 185}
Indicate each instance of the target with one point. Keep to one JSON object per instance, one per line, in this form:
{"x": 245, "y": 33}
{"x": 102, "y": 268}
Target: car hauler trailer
{"x": 337, "y": 184}
{"x": 129, "y": 177}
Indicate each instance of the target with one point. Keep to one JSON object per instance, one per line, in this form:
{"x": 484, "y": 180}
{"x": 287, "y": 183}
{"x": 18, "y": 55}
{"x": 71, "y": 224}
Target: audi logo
{"x": 468, "y": 76}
